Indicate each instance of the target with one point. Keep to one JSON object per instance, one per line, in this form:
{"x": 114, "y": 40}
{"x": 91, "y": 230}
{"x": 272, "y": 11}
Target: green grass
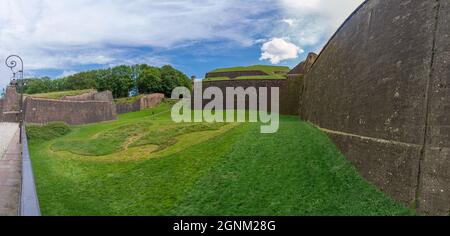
{"x": 48, "y": 132}
{"x": 147, "y": 165}
{"x": 267, "y": 69}
{"x": 271, "y": 71}
{"x": 59, "y": 95}
{"x": 268, "y": 77}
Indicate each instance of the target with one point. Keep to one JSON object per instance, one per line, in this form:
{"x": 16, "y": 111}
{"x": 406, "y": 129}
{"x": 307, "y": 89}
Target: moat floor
{"x": 145, "y": 164}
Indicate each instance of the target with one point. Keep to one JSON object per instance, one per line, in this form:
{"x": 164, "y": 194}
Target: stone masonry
{"x": 380, "y": 89}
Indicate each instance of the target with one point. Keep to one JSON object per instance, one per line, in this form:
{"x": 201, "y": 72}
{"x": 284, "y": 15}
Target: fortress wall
{"x": 151, "y": 100}
{"x": 145, "y": 102}
{"x": 11, "y": 99}
{"x": 72, "y": 112}
{"x": 105, "y": 96}
{"x": 128, "y": 107}
{"x": 235, "y": 74}
{"x": 377, "y": 86}
{"x": 434, "y": 189}
{"x": 289, "y": 96}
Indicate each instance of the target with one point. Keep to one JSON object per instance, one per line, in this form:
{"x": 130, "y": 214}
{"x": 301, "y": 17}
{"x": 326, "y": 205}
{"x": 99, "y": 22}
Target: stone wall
{"x": 380, "y": 89}
{"x": 11, "y": 99}
{"x": 281, "y": 83}
{"x": 290, "y": 95}
{"x": 9, "y": 105}
{"x": 72, "y": 112}
{"x": 144, "y": 102}
{"x": 151, "y": 100}
{"x": 128, "y": 107}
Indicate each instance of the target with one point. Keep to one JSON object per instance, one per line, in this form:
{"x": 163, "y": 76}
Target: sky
{"x": 57, "y": 38}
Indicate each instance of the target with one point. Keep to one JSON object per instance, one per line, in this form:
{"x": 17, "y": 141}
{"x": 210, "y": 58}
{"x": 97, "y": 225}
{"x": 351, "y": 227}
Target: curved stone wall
{"x": 380, "y": 89}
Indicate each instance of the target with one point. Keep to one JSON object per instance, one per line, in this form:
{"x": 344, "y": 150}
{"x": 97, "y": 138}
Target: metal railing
{"x": 29, "y": 203}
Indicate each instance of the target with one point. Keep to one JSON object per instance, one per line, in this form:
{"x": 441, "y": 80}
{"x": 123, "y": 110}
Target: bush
{"x": 47, "y": 132}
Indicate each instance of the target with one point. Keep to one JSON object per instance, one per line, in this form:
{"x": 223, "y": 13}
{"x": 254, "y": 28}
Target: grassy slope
{"x": 294, "y": 172}
{"x": 230, "y": 171}
{"x": 58, "y": 95}
{"x": 270, "y": 70}
{"x": 265, "y": 68}
{"x": 247, "y": 77}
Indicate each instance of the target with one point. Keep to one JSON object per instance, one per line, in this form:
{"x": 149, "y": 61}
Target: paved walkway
{"x": 10, "y": 172}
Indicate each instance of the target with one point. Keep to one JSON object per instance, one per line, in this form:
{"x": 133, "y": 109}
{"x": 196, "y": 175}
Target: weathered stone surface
{"x": 391, "y": 166}
{"x": 258, "y": 83}
{"x": 10, "y": 105}
{"x": 11, "y": 99}
{"x": 144, "y": 102}
{"x": 128, "y": 107}
{"x": 303, "y": 67}
{"x": 71, "y": 112}
{"x": 290, "y": 90}
{"x": 384, "y": 76}
{"x": 434, "y": 194}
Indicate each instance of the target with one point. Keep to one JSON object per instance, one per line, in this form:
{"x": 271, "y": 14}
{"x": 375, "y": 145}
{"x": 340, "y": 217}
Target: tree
{"x": 120, "y": 80}
{"x": 149, "y": 80}
{"x": 172, "y": 78}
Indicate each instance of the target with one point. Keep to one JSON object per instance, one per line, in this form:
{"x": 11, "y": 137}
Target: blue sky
{"x": 57, "y": 38}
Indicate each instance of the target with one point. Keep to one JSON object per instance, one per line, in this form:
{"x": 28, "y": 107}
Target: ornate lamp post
{"x": 15, "y": 63}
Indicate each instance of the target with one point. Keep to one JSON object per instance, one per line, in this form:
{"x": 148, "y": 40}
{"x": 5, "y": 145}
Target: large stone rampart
{"x": 380, "y": 89}
{"x": 288, "y": 95}
{"x": 41, "y": 111}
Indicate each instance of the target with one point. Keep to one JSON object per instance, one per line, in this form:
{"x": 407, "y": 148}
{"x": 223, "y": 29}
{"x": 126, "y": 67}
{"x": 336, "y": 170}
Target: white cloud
{"x": 51, "y": 34}
{"x": 67, "y": 73}
{"x": 278, "y": 49}
{"x": 289, "y": 22}
{"x": 62, "y": 34}
{"x": 315, "y": 20}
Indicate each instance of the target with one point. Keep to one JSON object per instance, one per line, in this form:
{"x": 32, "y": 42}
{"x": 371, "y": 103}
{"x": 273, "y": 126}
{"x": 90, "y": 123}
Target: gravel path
{"x": 7, "y": 131}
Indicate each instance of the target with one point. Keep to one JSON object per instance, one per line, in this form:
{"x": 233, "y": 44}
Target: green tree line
{"x": 120, "y": 80}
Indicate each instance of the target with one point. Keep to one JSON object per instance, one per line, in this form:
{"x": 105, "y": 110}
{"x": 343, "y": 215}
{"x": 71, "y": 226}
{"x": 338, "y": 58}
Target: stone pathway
{"x": 10, "y": 169}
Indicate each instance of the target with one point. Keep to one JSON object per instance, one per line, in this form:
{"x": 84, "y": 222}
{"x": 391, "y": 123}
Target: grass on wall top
{"x": 273, "y": 72}
{"x": 265, "y": 68}
{"x": 259, "y": 77}
{"x": 59, "y": 95}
